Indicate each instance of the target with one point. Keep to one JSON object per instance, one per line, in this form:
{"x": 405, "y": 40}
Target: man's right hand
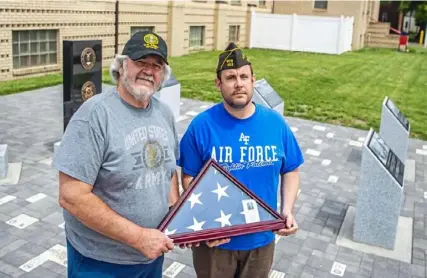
{"x": 153, "y": 243}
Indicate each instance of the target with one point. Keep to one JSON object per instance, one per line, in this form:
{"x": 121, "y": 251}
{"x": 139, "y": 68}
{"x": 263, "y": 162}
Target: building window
{"x": 234, "y": 32}
{"x": 197, "y": 34}
{"x": 34, "y": 48}
{"x": 321, "y": 4}
{"x": 262, "y": 3}
{"x": 235, "y": 2}
{"x": 135, "y": 29}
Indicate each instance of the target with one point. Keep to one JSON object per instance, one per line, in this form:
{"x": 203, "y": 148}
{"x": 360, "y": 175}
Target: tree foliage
{"x": 421, "y": 14}
{"x": 418, "y": 9}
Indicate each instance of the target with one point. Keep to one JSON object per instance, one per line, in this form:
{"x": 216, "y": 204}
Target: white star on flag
{"x": 194, "y": 199}
{"x": 197, "y": 226}
{"x": 167, "y": 232}
{"x": 224, "y": 219}
{"x": 220, "y": 191}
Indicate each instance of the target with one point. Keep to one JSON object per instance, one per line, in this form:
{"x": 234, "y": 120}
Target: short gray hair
{"x": 118, "y": 62}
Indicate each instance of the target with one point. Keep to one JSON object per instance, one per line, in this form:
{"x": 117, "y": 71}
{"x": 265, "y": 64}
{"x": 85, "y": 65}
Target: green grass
{"x": 347, "y": 89}
{"x": 32, "y": 83}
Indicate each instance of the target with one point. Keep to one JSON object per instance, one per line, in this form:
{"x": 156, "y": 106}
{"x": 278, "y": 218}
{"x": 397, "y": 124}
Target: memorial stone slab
{"x": 379, "y": 194}
{"x": 394, "y": 128}
{"x": 265, "y": 95}
{"x": 82, "y": 74}
{"x": 170, "y": 94}
{"x": 4, "y": 161}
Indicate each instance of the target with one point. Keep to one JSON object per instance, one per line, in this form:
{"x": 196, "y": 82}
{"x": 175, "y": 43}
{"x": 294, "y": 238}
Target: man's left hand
{"x": 291, "y": 225}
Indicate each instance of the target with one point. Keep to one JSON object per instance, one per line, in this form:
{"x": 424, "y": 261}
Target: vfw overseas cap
{"x": 232, "y": 58}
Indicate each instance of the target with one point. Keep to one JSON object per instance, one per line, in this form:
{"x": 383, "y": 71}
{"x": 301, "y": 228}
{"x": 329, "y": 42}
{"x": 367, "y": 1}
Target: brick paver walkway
{"x": 31, "y": 122}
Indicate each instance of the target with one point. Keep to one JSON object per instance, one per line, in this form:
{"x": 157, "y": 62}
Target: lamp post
{"x": 116, "y": 28}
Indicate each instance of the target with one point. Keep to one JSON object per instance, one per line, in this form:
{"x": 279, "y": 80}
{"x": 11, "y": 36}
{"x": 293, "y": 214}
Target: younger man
{"x": 256, "y": 146}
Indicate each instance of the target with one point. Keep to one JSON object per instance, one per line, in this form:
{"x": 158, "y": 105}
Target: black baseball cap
{"x": 232, "y": 58}
{"x": 144, "y": 43}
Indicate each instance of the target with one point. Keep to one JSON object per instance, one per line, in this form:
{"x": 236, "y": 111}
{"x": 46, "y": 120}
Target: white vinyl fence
{"x": 320, "y": 34}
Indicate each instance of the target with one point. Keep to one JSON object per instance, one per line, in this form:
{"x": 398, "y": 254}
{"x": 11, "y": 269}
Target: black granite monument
{"x": 82, "y": 74}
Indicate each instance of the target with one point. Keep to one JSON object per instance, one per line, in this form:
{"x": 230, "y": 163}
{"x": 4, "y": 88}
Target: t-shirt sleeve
{"x": 80, "y": 152}
{"x": 293, "y": 155}
{"x": 190, "y": 158}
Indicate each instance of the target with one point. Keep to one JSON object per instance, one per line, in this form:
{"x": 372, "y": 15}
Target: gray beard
{"x": 139, "y": 94}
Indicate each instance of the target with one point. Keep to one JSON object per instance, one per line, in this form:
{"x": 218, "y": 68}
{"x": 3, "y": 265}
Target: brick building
{"x": 32, "y": 31}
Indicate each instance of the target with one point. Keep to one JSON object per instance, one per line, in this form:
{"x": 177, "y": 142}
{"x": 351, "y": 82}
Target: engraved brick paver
{"x": 327, "y": 189}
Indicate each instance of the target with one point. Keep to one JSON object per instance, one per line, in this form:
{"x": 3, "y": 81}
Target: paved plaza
{"x": 32, "y": 238}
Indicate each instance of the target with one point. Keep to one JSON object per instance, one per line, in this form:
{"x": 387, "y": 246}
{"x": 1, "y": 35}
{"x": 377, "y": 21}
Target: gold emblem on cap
{"x": 151, "y": 41}
{"x": 229, "y": 62}
{"x": 88, "y": 90}
{"x": 88, "y": 58}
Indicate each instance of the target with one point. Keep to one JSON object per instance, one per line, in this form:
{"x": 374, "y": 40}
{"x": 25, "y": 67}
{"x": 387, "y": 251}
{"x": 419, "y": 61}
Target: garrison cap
{"x": 232, "y": 58}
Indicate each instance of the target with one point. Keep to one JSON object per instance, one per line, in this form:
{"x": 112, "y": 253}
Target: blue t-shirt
{"x": 255, "y": 151}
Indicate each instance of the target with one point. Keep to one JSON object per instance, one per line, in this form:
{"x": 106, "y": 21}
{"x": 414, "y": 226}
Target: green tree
{"x": 418, "y": 9}
{"x": 421, "y": 14}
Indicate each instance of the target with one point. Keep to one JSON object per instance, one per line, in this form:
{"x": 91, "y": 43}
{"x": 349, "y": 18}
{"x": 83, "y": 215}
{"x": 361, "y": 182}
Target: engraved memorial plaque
{"x": 386, "y": 156}
{"x": 396, "y": 112}
{"x": 82, "y": 74}
{"x": 270, "y": 96}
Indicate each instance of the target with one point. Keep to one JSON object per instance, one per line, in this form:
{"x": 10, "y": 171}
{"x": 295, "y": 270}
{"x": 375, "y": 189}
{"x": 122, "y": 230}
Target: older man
{"x": 117, "y": 174}
{"x": 260, "y": 148}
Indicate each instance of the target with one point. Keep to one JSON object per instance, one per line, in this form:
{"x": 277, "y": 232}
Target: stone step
{"x": 378, "y": 30}
{"x": 385, "y": 40}
{"x": 381, "y": 28}
{"x": 393, "y": 44}
{"x": 380, "y": 25}
{"x": 381, "y": 33}
{"x": 381, "y": 45}
{"x": 391, "y": 38}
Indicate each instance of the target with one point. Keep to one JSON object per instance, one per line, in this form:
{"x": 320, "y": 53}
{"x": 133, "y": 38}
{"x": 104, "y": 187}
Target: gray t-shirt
{"x": 129, "y": 156}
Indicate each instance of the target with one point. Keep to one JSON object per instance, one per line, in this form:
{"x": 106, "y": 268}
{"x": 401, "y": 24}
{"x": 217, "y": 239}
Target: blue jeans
{"x": 80, "y": 266}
